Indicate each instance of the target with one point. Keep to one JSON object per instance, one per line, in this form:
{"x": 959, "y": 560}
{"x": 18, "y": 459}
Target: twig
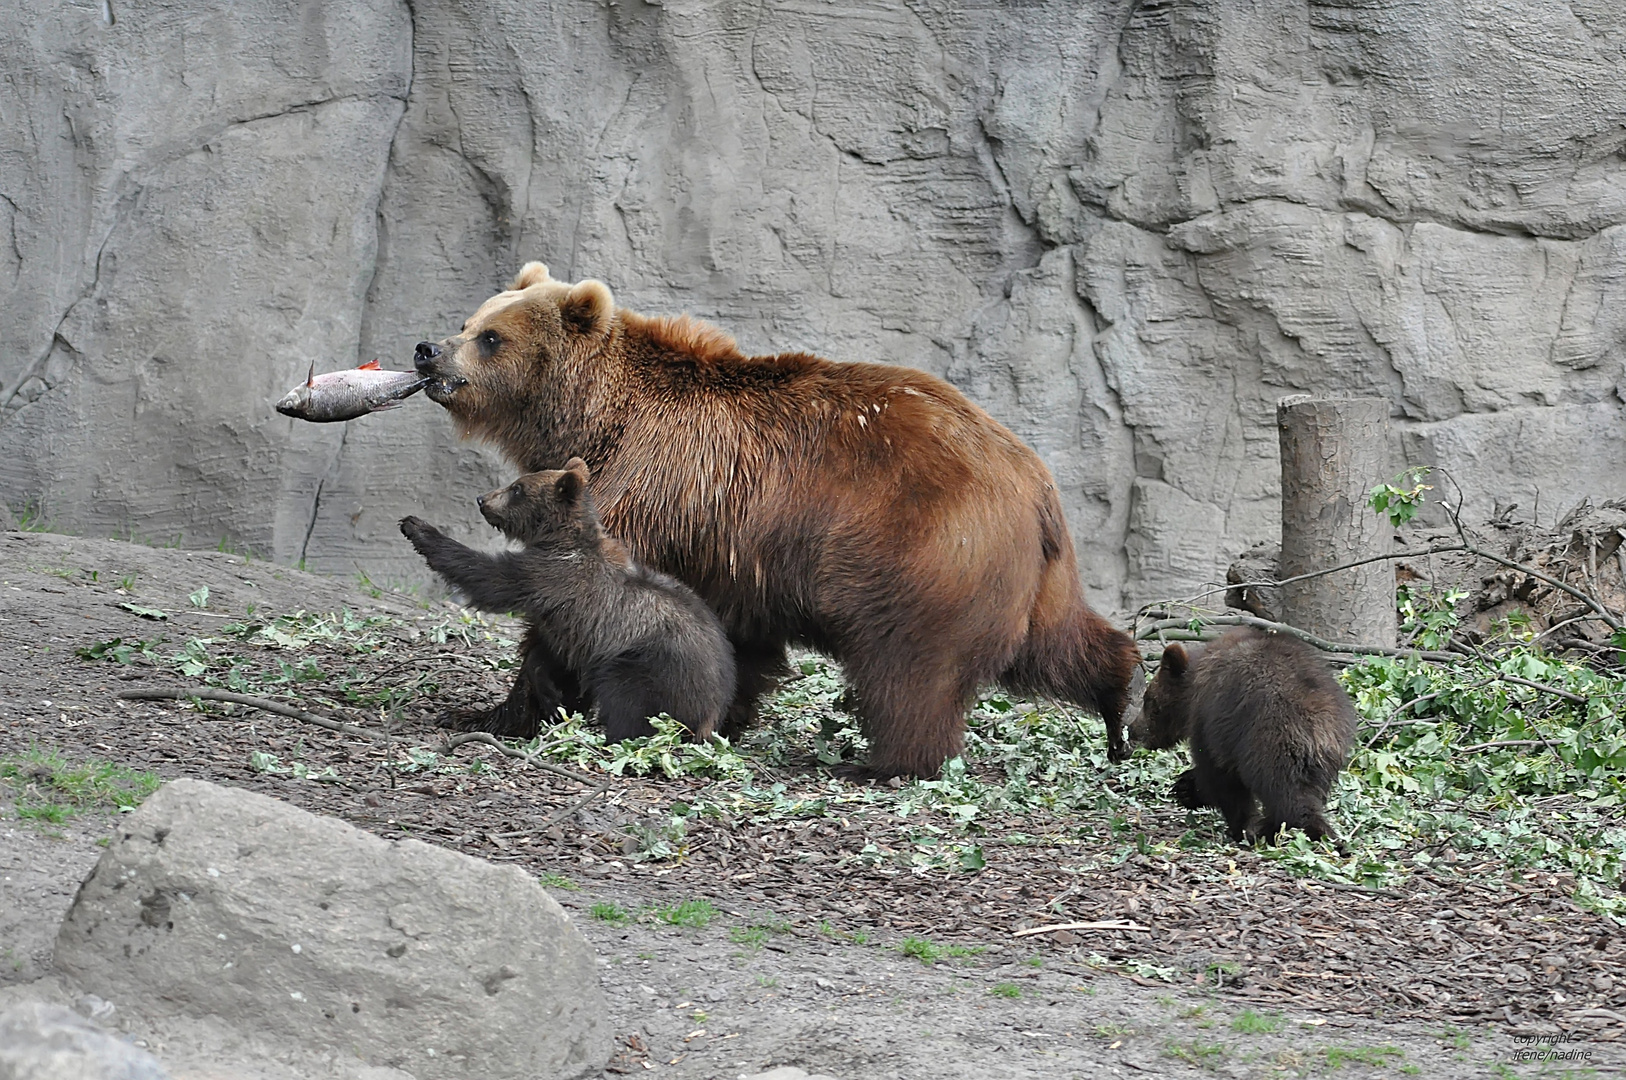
{"x": 486, "y": 739}
{"x": 1102, "y": 924}
{"x": 1390, "y": 556}
{"x": 1504, "y": 742}
{"x": 575, "y": 806}
{"x": 559, "y": 816}
{"x": 1572, "y": 620}
{"x": 1390, "y": 719}
{"x": 1544, "y": 688}
{"x": 1364, "y": 890}
{"x": 1283, "y": 628}
{"x": 209, "y": 693}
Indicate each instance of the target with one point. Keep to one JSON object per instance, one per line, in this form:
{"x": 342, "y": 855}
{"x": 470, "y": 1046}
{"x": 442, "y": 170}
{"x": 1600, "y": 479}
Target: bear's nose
{"x": 428, "y": 353}
{"x": 479, "y": 500}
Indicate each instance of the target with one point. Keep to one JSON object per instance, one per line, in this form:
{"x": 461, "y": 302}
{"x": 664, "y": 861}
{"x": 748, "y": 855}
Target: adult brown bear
{"x": 868, "y": 511}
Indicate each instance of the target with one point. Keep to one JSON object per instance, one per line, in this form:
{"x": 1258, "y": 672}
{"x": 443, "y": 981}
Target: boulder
{"x": 216, "y": 903}
{"x": 39, "y": 1041}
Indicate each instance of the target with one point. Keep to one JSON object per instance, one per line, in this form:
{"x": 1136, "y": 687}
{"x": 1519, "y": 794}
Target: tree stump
{"x": 1333, "y": 452}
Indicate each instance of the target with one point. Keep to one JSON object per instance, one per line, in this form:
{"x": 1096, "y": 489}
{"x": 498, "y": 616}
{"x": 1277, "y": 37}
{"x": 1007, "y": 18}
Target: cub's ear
{"x": 577, "y": 465}
{"x": 587, "y": 308}
{"x": 532, "y": 273}
{"x": 572, "y": 481}
{"x": 1175, "y": 662}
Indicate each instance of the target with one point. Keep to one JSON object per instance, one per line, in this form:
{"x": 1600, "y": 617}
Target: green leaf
{"x": 144, "y": 612}
{"x": 199, "y": 597}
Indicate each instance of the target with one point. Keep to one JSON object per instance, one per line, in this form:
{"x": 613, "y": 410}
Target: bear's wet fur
{"x": 868, "y": 511}
{"x": 602, "y": 629}
{"x": 1265, "y": 720}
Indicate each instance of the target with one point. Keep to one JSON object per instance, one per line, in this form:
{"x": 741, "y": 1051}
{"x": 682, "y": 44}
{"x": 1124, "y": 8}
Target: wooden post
{"x": 1333, "y": 452}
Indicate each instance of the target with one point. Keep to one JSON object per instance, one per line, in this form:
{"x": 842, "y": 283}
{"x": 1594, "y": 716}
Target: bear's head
{"x": 1165, "y": 712}
{"x": 551, "y": 505}
{"x": 526, "y": 346}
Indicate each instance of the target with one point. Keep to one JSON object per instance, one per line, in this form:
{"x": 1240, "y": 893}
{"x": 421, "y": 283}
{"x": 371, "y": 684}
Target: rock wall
{"x": 1126, "y": 228}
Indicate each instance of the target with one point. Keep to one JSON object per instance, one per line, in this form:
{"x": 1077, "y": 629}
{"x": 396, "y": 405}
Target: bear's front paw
{"x": 416, "y": 528}
{"x": 1185, "y": 790}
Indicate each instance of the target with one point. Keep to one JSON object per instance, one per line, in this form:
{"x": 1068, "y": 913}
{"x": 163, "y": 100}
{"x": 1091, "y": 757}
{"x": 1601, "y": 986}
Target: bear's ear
{"x": 587, "y": 308}
{"x": 1175, "y": 662}
{"x": 532, "y": 273}
{"x": 571, "y": 482}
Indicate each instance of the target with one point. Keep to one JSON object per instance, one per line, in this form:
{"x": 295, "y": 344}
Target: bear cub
{"x": 1265, "y": 720}
{"x": 632, "y": 640}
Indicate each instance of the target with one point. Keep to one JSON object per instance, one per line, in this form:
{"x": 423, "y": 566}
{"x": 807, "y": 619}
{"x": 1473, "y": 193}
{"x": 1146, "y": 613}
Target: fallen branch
{"x": 1504, "y": 742}
{"x": 1544, "y": 688}
{"x": 1283, "y": 628}
{"x": 575, "y": 806}
{"x": 1102, "y": 924}
{"x": 209, "y": 693}
{"x": 1390, "y": 556}
{"x": 486, "y": 739}
{"x": 1403, "y": 706}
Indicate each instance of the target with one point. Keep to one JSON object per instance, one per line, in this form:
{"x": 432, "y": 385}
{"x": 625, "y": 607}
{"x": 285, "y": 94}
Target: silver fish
{"x": 345, "y": 395}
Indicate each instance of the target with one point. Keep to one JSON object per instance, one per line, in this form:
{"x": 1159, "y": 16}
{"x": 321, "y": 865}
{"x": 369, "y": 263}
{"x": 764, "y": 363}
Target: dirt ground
{"x": 1241, "y": 970}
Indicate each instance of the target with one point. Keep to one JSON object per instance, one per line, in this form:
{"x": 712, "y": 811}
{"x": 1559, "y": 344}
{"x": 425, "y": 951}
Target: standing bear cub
{"x": 614, "y": 633}
{"x": 1266, "y": 721}
{"x": 864, "y": 510}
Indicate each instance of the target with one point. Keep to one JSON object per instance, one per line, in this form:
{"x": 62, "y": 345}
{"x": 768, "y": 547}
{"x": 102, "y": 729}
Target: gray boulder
{"x": 48, "y": 1042}
{"x": 216, "y": 903}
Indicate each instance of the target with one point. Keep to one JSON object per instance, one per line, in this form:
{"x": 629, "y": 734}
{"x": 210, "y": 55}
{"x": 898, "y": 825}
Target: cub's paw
{"x": 414, "y": 528}
{"x": 1185, "y": 790}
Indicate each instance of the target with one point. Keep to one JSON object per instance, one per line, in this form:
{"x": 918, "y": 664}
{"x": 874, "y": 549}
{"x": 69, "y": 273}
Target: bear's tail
{"x": 1070, "y": 652}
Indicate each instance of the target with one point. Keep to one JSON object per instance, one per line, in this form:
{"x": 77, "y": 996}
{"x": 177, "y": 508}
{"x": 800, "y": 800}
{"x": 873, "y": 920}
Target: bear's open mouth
{"x": 443, "y": 387}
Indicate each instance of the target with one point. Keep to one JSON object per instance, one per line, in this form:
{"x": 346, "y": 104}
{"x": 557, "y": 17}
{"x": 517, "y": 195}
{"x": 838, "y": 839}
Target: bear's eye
{"x": 489, "y": 341}
{"x": 516, "y": 491}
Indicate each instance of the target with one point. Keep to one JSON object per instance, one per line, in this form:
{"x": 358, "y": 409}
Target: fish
{"x": 345, "y": 395}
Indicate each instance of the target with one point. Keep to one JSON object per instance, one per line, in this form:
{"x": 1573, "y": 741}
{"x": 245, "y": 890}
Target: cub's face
{"x": 490, "y": 372}
{"x": 1165, "y": 709}
{"x": 541, "y": 505}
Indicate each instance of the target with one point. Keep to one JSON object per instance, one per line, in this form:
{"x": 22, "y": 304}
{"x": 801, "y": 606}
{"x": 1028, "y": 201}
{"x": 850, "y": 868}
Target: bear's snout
{"x": 424, "y": 360}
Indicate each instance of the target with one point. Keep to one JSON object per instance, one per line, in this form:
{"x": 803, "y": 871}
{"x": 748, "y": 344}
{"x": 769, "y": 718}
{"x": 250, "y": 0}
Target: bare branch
{"x": 1438, "y": 549}
{"x": 209, "y": 693}
{"x": 1282, "y": 628}
{"x": 485, "y": 739}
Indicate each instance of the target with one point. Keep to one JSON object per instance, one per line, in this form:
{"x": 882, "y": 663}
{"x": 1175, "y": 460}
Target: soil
{"x": 1240, "y": 971}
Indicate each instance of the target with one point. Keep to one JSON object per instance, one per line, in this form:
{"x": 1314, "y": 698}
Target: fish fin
{"x": 310, "y": 379}
{"x": 371, "y": 365}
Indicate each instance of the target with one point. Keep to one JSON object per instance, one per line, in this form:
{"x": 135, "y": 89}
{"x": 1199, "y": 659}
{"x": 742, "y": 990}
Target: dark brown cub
{"x": 1267, "y": 723}
{"x": 602, "y": 629}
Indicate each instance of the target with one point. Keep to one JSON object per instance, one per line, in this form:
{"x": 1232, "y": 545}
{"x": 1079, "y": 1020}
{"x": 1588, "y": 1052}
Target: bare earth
{"x": 1447, "y": 977}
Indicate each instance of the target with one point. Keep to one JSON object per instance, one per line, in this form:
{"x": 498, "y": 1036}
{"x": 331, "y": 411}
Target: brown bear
{"x": 602, "y": 629}
{"x": 1265, "y": 720}
{"x": 868, "y": 511}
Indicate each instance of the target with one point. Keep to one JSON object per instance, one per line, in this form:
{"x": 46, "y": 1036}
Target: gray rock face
{"x": 1125, "y": 228}
{"x": 221, "y": 904}
{"x": 47, "y": 1042}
